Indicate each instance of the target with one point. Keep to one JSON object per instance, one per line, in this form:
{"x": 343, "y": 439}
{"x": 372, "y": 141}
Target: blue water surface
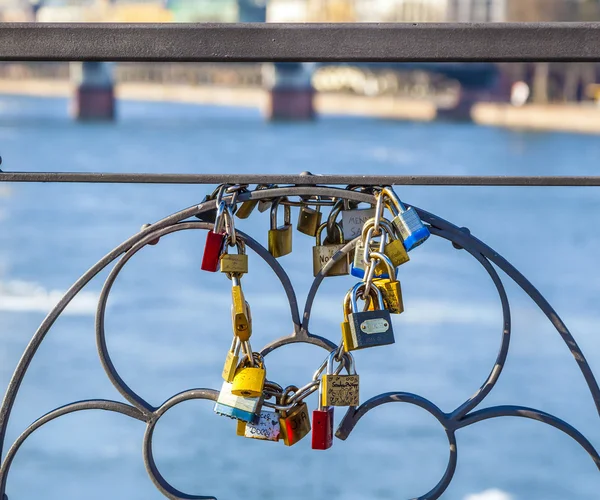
{"x": 168, "y": 323}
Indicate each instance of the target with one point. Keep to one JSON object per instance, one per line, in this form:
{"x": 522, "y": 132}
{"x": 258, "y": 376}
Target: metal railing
{"x": 549, "y": 42}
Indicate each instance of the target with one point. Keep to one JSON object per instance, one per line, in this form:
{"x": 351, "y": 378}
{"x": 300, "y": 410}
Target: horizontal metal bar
{"x": 400, "y": 42}
{"x": 302, "y": 179}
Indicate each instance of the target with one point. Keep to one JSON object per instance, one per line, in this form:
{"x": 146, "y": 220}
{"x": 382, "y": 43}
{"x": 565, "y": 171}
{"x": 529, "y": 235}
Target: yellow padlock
{"x": 241, "y": 317}
{"x": 249, "y": 381}
{"x": 389, "y": 287}
{"x": 346, "y": 331}
{"x": 280, "y": 237}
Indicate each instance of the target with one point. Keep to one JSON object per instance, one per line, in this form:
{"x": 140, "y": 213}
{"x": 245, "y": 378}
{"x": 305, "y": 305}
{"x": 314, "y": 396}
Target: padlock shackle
{"x": 330, "y": 360}
{"x": 372, "y": 288}
{"x": 347, "y": 304}
{"x": 287, "y": 213}
{"x": 239, "y": 244}
{"x": 319, "y": 240}
{"x": 392, "y": 271}
{"x": 384, "y": 223}
{"x": 396, "y": 203}
{"x": 220, "y": 218}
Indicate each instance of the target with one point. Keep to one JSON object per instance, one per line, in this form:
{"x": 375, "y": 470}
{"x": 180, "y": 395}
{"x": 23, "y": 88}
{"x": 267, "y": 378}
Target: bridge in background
{"x": 289, "y": 84}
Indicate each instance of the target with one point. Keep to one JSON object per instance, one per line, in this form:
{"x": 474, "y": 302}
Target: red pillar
{"x": 94, "y": 97}
{"x": 291, "y": 94}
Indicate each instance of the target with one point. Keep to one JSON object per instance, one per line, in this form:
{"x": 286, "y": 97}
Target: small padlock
{"x": 389, "y": 287}
{"x": 231, "y": 361}
{"x": 264, "y": 204}
{"x": 280, "y": 238}
{"x": 241, "y": 316}
{"x": 309, "y": 220}
{"x": 234, "y": 263}
{"x": 322, "y": 253}
{"x": 294, "y": 423}
{"x": 322, "y": 425}
{"x": 249, "y": 379}
{"x": 353, "y": 221}
{"x": 406, "y": 220}
{"x": 215, "y": 240}
{"x": 242, "y": 408}
{"x": 369, "y": 328}
{"x": 337, "y": 389}
{"x": 266, "y": 427}
{"x": 246, "y": 208}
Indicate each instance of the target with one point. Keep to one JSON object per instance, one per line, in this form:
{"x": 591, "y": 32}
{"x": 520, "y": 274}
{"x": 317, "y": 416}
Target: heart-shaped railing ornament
{"x": 463, "y": 416}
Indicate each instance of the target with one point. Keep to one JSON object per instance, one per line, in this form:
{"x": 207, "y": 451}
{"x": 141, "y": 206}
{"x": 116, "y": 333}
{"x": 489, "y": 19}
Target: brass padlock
{"x": 280, "y": 238}
{"x": 346, "y": 330}
{"x": 369, "y": 328}
{"x": 266, "y": 427}
{"x": 340, "y": 390}
{"x": 234, "y": 263}
{"x": 389, "y": 287}
{"x": 309, "y": 220}
{"x": 322, "y": 253}
{"x": 249, "y": 379}
{"x": 246, "y": 208}
{"x": 241, "y": 316}
{"x": 231, "y": 361}
{"x": 294, "y": 424}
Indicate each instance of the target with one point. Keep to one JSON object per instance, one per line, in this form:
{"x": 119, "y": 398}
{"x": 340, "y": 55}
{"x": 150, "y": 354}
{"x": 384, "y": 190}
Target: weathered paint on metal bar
{"x": 400, "y": 42}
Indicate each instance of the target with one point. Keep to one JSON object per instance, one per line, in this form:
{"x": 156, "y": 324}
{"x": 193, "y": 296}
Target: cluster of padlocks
{"x": 263, "y": 409}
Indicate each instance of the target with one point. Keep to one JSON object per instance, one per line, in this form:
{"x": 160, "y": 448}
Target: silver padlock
{"x": 266, "y": 427}
{"x": 229, "y": 405}
{"x": 354, "y": 220}
{"x": 406, "y": 220}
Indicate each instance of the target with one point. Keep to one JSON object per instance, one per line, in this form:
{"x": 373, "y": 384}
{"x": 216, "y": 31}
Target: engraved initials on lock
{"x": 322, "y": 253}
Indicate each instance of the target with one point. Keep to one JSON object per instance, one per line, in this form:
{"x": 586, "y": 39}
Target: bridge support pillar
{"x": 94, "y": 97}
{"x": 291, "y": 94}
{"x": 460, "y": 110}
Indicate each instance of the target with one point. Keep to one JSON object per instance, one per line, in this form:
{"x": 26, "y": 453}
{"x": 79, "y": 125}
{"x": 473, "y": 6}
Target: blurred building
{"x": 477, "y": 11}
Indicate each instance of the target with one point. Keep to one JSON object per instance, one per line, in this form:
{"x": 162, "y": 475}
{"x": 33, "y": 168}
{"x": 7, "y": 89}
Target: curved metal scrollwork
{"x": 140, "y": 409}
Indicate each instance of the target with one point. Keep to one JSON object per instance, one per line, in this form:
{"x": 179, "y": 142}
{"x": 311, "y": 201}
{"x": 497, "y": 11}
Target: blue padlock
{"x": 241, "y": 408}
{"x": 406, "y": 221}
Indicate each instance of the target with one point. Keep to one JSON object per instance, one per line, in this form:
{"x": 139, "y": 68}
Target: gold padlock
{"x": 241, "y": 316}
{"x": 280, "y": 238}
{"x": 294, "y": 424}
{"x": 231, "y": 361}
{"x": 232, "y": 263}
{"x": 309, "y": 220}
{"x": 347, "y": 339}
{"x": 249, "y": 380}
{"x": 340, "y": 390}
{"x": 322, "y": 253}
{"x": 246, "y": 208}
{"x": 389, "y": 287}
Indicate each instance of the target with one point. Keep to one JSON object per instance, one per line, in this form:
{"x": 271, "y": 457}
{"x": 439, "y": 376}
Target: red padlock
{"x": 322, "y": 428}
{"x": 215, "y": 240}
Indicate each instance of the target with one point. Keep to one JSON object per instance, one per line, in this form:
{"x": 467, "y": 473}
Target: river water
{"x": 168, "y": 324}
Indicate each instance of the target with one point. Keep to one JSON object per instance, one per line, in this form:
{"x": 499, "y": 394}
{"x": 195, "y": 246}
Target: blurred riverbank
{"x": 550, "y": 117}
